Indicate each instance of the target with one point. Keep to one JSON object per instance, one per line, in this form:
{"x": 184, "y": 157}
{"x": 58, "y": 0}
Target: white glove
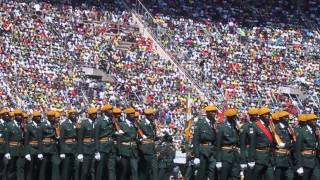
{"x": 300, "y": 171}
{"x": 97, "y": 156}
{"x": 144, "y": 137}
{"x": 62, "y": 156}
{"x": 80, "y": 157}
{"x": 251, "y": 164}
{"x": 281, "y": 145}
{"x": 28, "y": 157}
{"x": 196, "y": 161}
{"x": 120, "y": 132}
{"x": 243, "y": 166}
{"x": 7, "y": 156}
{"x": 219, "y": 165}
{"x": 40, "y": 156}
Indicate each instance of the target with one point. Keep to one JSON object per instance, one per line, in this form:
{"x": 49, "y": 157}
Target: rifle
{"x": 116, "y": 124}
{"x": 57, "y": 129}
{"x": 275, "y": 135}
{"x": 139, "y": 130}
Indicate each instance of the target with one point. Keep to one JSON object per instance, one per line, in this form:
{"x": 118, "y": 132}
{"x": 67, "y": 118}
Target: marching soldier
{"x": 50, "y": 161}
{"x": 260, "y": 150}
{"x": 31, "y": 142}
{"x": 284, "y": 139}
{"x": 306, "y": 147}
{"x": 166, "y": 154}
{"x": 203, "y": 144}
{"x": 4, "y": 113}
{"x": 128, "y": 150}
{"x": 244, "y": 142}
{"x": 67, "y": 144}
{"x": 86, "y": 145}
{"x": 227, "y": 147}
{"x": 148, "y": 161}
{"x": 14, "y": 148}
{"x": 116, "y": 118}
{"x": 104, "y": 133}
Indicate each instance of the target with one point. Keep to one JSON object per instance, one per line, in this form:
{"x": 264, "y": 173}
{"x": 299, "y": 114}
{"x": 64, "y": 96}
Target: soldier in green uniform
{"x": 305, "y": 148}
{"x": 4, "y": 113}
{"x": 116, "y": 118}
{"x": 14, "y": 147}
{"x": 244, "y": 142}
{"x": 104, "y": 133}
{"x": 227, "y": 147}
{"x": 147, "y": 152}
{"x": 86, "y": 145}
{"x": 31, "y": 143}
{"x": 166, "y": 154}
{"x": 284, "y": 138}
{"x": 261, "y": 143}
{"x": 127, "y": 147}
{"x": 68, "y": 145}
{"x": 49, "y": 167}
{"x": 204, "y": 144}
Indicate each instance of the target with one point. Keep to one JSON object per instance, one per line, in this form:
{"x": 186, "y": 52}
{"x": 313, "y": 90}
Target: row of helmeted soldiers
{"x": 113, "y": 143}
{"x": 267, "y": 146}
{"x": 110, "y": 143}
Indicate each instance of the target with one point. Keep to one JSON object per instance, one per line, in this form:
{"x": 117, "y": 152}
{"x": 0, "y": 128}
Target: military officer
{"x": 4, "y": 113}
{"x": 166, "y": 154}
{"x": 128, "y": 150}
{"x": 260, "y": 150}
{"x": 306, "y": 147}
{"x": 244, "y": 142}
{"x": 116, "y": 118}
{"x": 104, "y": 134}
{"x": 14, "y": 148}
{"x": 86, "y": 145}
{"x": 147, "y": 152}
{"x": 284, "y": 139}
{"x": 203, "y": 144}
{"x": 50, "y": 161}
{"x": 67, "y": 143}
{"x": 31, "y": 142}
{"x": 227, "y": 147}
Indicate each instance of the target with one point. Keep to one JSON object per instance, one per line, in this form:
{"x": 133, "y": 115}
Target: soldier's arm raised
{"x": 62, "y": 134}
{"x": 96, "y": 135}
{"x": 26, "y": 139}
{"x": 298, "y": 149}
{"x": 196, "y": 139}
{"x": 219, "y": 134}
{"x": 80, "y": 138}
{"x": 252, "y": 142}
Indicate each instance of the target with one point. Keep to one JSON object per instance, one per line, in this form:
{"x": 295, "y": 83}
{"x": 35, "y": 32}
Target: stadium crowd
{"x": 241, "y": 53}
{"x": 239, "y": 50}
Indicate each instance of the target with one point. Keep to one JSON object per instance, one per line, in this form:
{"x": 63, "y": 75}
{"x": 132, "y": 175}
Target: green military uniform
{"x": 244, "y": 143}
{"x": 204, "y": 149}
{"x": 244, "y": 149}
{"x": 14, "y": 147}
{"x": 282, "y": 155}
{"x": 104, "y": 133}
{"x": 49, "y": 168}
{"x": 147, "y": 152}
{"x": 127, "y": 148}
{"x": 166, "y": 154}
{"x": 260, "y": 152}
{"x": 3, "y": 162}
{"x": 305, "y": 150}
{"x": 68, "y": 145}
{"x": 227, "y": 147}
{"x": 32, "y": 149}
{"x": 86, "y": 149}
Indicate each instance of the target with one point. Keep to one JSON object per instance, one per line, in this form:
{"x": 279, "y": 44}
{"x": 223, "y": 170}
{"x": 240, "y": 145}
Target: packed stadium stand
{"x": 236, "y": 53}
